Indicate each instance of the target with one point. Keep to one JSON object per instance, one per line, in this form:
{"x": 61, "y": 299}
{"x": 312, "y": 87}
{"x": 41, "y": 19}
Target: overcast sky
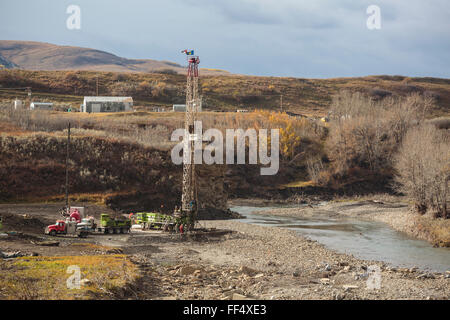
{"x": 311, "y": 38}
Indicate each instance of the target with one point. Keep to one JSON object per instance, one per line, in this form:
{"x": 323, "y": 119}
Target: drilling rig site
{"x": 106, "y": 197}
{"x": 294, "y": 172}
{"x": 189, "y": 231}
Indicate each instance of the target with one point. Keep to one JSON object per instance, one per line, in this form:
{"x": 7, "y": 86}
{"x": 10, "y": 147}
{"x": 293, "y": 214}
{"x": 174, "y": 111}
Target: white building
{"x": 41, "y": 105}
{"x": 182, "y": 107}
{"x": 107, "y": 104}
{"x": 179, "y": 108}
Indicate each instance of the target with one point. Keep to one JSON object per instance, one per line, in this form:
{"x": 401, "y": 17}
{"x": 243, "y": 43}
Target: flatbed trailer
{"x": 155, "y": 221}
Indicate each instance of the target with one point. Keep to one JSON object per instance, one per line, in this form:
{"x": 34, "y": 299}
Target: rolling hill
{"x": 310, "y": 97}
{"x": 45, "y": 56}
{"x": 65, "y": 74}
{"x": 6, "y": 63}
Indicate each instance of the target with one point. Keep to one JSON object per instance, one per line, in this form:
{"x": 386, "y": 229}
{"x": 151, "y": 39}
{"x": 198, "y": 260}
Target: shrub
{"x": 289, "y": 141}
{"x": 441, "y": 123}
{"x": 123, "y": 89}
{"x": 366, "y": 133}
{"x": 423, "y": 169}
{"x": 378, "y": 93}
{"x": 166, "y": 71}
{"x": 315, "y": 168}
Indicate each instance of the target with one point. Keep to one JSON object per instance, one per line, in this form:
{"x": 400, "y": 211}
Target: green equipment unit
{"x": 114, "y": 225}
{"x": 1, "y": 223}
{"x": 153, "y": 220}
{"x": 141, "y": 218}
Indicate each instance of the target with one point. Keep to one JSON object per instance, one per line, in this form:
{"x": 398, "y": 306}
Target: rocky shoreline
{"x": 255, "y": 262}
{"x": 236, "y": 261}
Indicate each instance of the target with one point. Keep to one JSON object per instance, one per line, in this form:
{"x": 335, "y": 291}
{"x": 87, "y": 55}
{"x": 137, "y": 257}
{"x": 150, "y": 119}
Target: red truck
{"x": 66, "y": 227}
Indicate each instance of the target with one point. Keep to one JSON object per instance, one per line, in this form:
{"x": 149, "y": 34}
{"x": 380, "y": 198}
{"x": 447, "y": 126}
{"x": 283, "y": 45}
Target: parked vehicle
{"x": 153, "y": 220}
{"x": 114, "y": 225}
{"x": 75, "y": 213}
{"x": 88, "y": 224}
{"x": 66, "y": 227}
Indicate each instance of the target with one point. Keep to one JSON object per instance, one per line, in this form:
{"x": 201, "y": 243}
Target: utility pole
{"x": 97, "y": 85}
{"x": 29, "y": 96}
{"x": 281, "y": 102}
{"x": 67, "y": 166}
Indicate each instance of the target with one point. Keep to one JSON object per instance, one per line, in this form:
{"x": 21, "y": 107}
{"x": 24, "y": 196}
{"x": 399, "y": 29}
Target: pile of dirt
{"x": 23, "y": 223}
{"x": 217, "y": 214}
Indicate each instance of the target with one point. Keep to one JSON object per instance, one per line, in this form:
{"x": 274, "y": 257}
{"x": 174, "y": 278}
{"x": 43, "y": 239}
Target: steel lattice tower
{"x": 189, "y": 204}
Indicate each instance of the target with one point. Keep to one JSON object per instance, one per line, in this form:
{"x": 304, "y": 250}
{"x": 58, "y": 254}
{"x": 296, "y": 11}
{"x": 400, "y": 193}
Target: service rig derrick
{"x": 189, "y": 200}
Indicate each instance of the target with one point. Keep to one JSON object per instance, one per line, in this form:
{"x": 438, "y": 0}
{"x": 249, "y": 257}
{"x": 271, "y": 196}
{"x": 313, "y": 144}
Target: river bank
{"x": 257, "y": 262}
{"x": 240, "y": 261}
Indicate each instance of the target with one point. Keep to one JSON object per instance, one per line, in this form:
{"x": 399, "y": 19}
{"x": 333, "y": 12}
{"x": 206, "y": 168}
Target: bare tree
{"x": 314, "y": 167}
{"x": 423, "y": 167}
{"x": 366, "y": 133}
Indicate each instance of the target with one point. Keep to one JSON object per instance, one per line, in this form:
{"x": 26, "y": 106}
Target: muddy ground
{"x": 236, "y": 261}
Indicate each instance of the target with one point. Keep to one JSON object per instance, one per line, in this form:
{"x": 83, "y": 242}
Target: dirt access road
{"x": 246, "y": 261}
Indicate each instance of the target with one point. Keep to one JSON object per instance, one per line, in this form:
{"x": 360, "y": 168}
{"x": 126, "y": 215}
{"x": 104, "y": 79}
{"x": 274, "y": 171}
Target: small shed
{"x": 41, "y": 105}
{"x": 182, "y": 107}
{"x": 107, "y": 104}
{"x": 179, "y": 108}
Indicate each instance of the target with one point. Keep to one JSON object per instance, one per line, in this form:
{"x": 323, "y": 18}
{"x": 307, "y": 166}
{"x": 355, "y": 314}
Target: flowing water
{"x": 368, "y": 240}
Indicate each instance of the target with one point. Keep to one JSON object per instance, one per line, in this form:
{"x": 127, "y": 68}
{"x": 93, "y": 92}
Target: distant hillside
{"x": 44, "y": 56}
{"x": 220, "y": 93}
{"x": 5, "y": 63}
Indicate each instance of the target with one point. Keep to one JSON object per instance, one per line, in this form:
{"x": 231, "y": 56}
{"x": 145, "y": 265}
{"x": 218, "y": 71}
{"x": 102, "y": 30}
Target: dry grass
{"x": 44, "y": 278}
{"x": 154, "y": 129}
{"x": 441, "y": 122}
{"x": 91, "y": 246}
{"x": 33, "y": 165}
{"x": 298, "y": 184}
{"x": 100, "y": 198}
{"x": 436, "y": 231}
{"x": 145, "y": 130}
{"x": 310, "y": 97}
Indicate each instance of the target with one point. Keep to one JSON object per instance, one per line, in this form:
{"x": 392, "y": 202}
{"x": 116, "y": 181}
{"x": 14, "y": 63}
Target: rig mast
{"x": 189, "y": 204}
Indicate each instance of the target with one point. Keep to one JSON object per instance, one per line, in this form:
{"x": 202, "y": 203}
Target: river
{"x": 368, "y": 240}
